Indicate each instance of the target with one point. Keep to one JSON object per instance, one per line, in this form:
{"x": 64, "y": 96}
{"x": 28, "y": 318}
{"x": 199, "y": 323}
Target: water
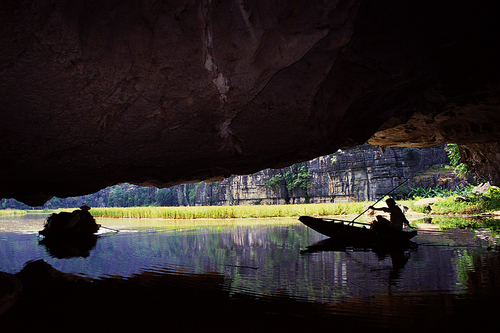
{"x": 273, "y": 258}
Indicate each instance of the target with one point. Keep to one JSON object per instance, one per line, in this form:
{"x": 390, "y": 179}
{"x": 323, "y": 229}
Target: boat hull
{"x": 58, "y": 226}
{"x": 347, "y": 230}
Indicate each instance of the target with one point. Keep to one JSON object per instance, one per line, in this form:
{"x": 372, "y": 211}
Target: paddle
{"x": 110, "y": 229}
{"x": 380, "y": 199}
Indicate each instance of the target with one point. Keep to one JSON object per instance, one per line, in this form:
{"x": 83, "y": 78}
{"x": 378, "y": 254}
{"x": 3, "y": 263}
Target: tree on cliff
{"x": 295, "y": 178}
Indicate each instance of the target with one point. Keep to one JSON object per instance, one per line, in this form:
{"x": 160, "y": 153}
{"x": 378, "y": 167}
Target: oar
{"x": 380, "y": 199}
{"x": 110, "y": 229}
{"x": 345, "y": 222}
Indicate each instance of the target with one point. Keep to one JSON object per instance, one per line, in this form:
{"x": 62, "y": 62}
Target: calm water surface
{"x": 259, "y": 257}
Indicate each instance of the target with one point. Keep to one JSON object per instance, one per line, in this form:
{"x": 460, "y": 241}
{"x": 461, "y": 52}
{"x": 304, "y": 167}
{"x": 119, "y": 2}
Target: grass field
{"x": 222, "y": 212}
{"x": 12, "y": 212}
{"x": 489, "y": 202}
{"x": 449, "y": 205}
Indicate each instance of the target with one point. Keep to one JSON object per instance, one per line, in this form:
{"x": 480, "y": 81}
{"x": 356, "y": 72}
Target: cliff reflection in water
{"x": 230, "y": 273}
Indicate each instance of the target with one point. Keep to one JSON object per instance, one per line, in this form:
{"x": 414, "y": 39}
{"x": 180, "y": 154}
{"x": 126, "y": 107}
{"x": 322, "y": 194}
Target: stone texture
{"x": 360, "y": 174}
{"x": 483, "y": 159}
{"x": 95, "y": 93}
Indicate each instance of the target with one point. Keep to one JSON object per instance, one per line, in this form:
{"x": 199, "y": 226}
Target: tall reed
{"x": 223, "y": 212}
{"x": 12, "y": 212}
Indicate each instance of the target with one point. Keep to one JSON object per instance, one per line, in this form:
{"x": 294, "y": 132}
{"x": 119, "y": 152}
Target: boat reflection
{"x": 69, "y": 248}
{"x": 399, "y": 252}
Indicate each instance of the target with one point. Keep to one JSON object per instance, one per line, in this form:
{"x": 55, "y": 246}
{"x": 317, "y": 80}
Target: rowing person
{"x": 397, "y": 217}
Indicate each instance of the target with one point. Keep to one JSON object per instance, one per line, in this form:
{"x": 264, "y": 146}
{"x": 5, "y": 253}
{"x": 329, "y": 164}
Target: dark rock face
{"x": 96, "y": 93}
{"x": 483, "y": 159}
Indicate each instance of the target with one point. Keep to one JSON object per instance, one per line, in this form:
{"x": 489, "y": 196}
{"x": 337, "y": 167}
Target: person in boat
{"x": 397, "y": 217}
{"x": 79, "y": 219}
{"x": 86, "y": 220}
{"x": 84, "y": 212}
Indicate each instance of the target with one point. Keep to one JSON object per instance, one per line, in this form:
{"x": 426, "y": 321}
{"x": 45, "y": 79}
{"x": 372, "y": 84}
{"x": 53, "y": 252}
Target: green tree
{"x": 115, "y": 197}
{"x": 454, "y": 155}
{"x": 163, "y": 196}
{"x": 298, "y": 179}
{"x": 192, "y": 190}
{"x": 275, "y": 181}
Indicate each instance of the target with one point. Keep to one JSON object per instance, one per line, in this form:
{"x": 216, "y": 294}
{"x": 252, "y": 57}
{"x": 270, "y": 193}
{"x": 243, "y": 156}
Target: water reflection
{"x": 70, "y": 248}
{"x": 399, "y": 253}
{"x": 271, "y": 261}
{"x": 261, "y": 258}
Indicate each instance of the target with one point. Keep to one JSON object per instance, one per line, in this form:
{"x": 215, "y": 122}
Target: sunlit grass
{"x": 12, "y": 212}
{"x": 448, "y": 205}
{"x": 224, "y": 212}
{"x": 449, "y": 222}
{"x": 451, "y": 205}
{"x": 454, "y": 222}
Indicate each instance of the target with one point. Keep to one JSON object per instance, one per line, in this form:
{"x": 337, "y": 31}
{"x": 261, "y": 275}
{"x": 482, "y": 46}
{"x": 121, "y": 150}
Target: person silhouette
{"x": 397, "y": 217}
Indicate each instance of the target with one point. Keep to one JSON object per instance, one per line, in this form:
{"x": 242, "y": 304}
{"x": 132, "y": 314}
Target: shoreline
{"x": 448, "y": 206}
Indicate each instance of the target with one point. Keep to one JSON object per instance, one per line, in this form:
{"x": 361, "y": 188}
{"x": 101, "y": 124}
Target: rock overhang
{"x": 94, "y": 94}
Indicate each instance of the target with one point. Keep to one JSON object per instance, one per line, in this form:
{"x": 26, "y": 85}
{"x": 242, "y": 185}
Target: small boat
{"x": 356, "y": 231}
{"x": 69, "y": 226}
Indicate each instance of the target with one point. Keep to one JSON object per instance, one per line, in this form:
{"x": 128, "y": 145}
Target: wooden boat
{"x": 355, "y": 231}
{"x": 69, "y": 226}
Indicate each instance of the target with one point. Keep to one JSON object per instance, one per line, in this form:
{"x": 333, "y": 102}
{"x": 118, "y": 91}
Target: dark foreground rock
{"x": 58, "y": 302}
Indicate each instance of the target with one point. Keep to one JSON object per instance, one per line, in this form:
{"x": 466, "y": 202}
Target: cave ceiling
{"x": 157, "y": 93}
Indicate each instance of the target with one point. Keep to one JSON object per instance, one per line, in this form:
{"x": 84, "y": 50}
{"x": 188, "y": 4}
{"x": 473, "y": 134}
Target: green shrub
{"x": 454, "y": 155}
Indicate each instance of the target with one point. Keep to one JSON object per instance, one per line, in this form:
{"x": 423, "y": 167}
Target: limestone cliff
{"x": 358, "y": 174}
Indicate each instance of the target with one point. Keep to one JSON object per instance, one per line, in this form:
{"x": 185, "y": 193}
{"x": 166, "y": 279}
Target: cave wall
{"x": 95, "y": 93}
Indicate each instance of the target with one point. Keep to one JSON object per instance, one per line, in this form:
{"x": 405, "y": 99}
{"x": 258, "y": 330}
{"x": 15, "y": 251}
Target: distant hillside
{"x": 358, "y": 174}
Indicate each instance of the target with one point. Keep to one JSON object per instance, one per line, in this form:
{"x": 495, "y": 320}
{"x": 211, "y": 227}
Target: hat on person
{"x": 85, "y": 207}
